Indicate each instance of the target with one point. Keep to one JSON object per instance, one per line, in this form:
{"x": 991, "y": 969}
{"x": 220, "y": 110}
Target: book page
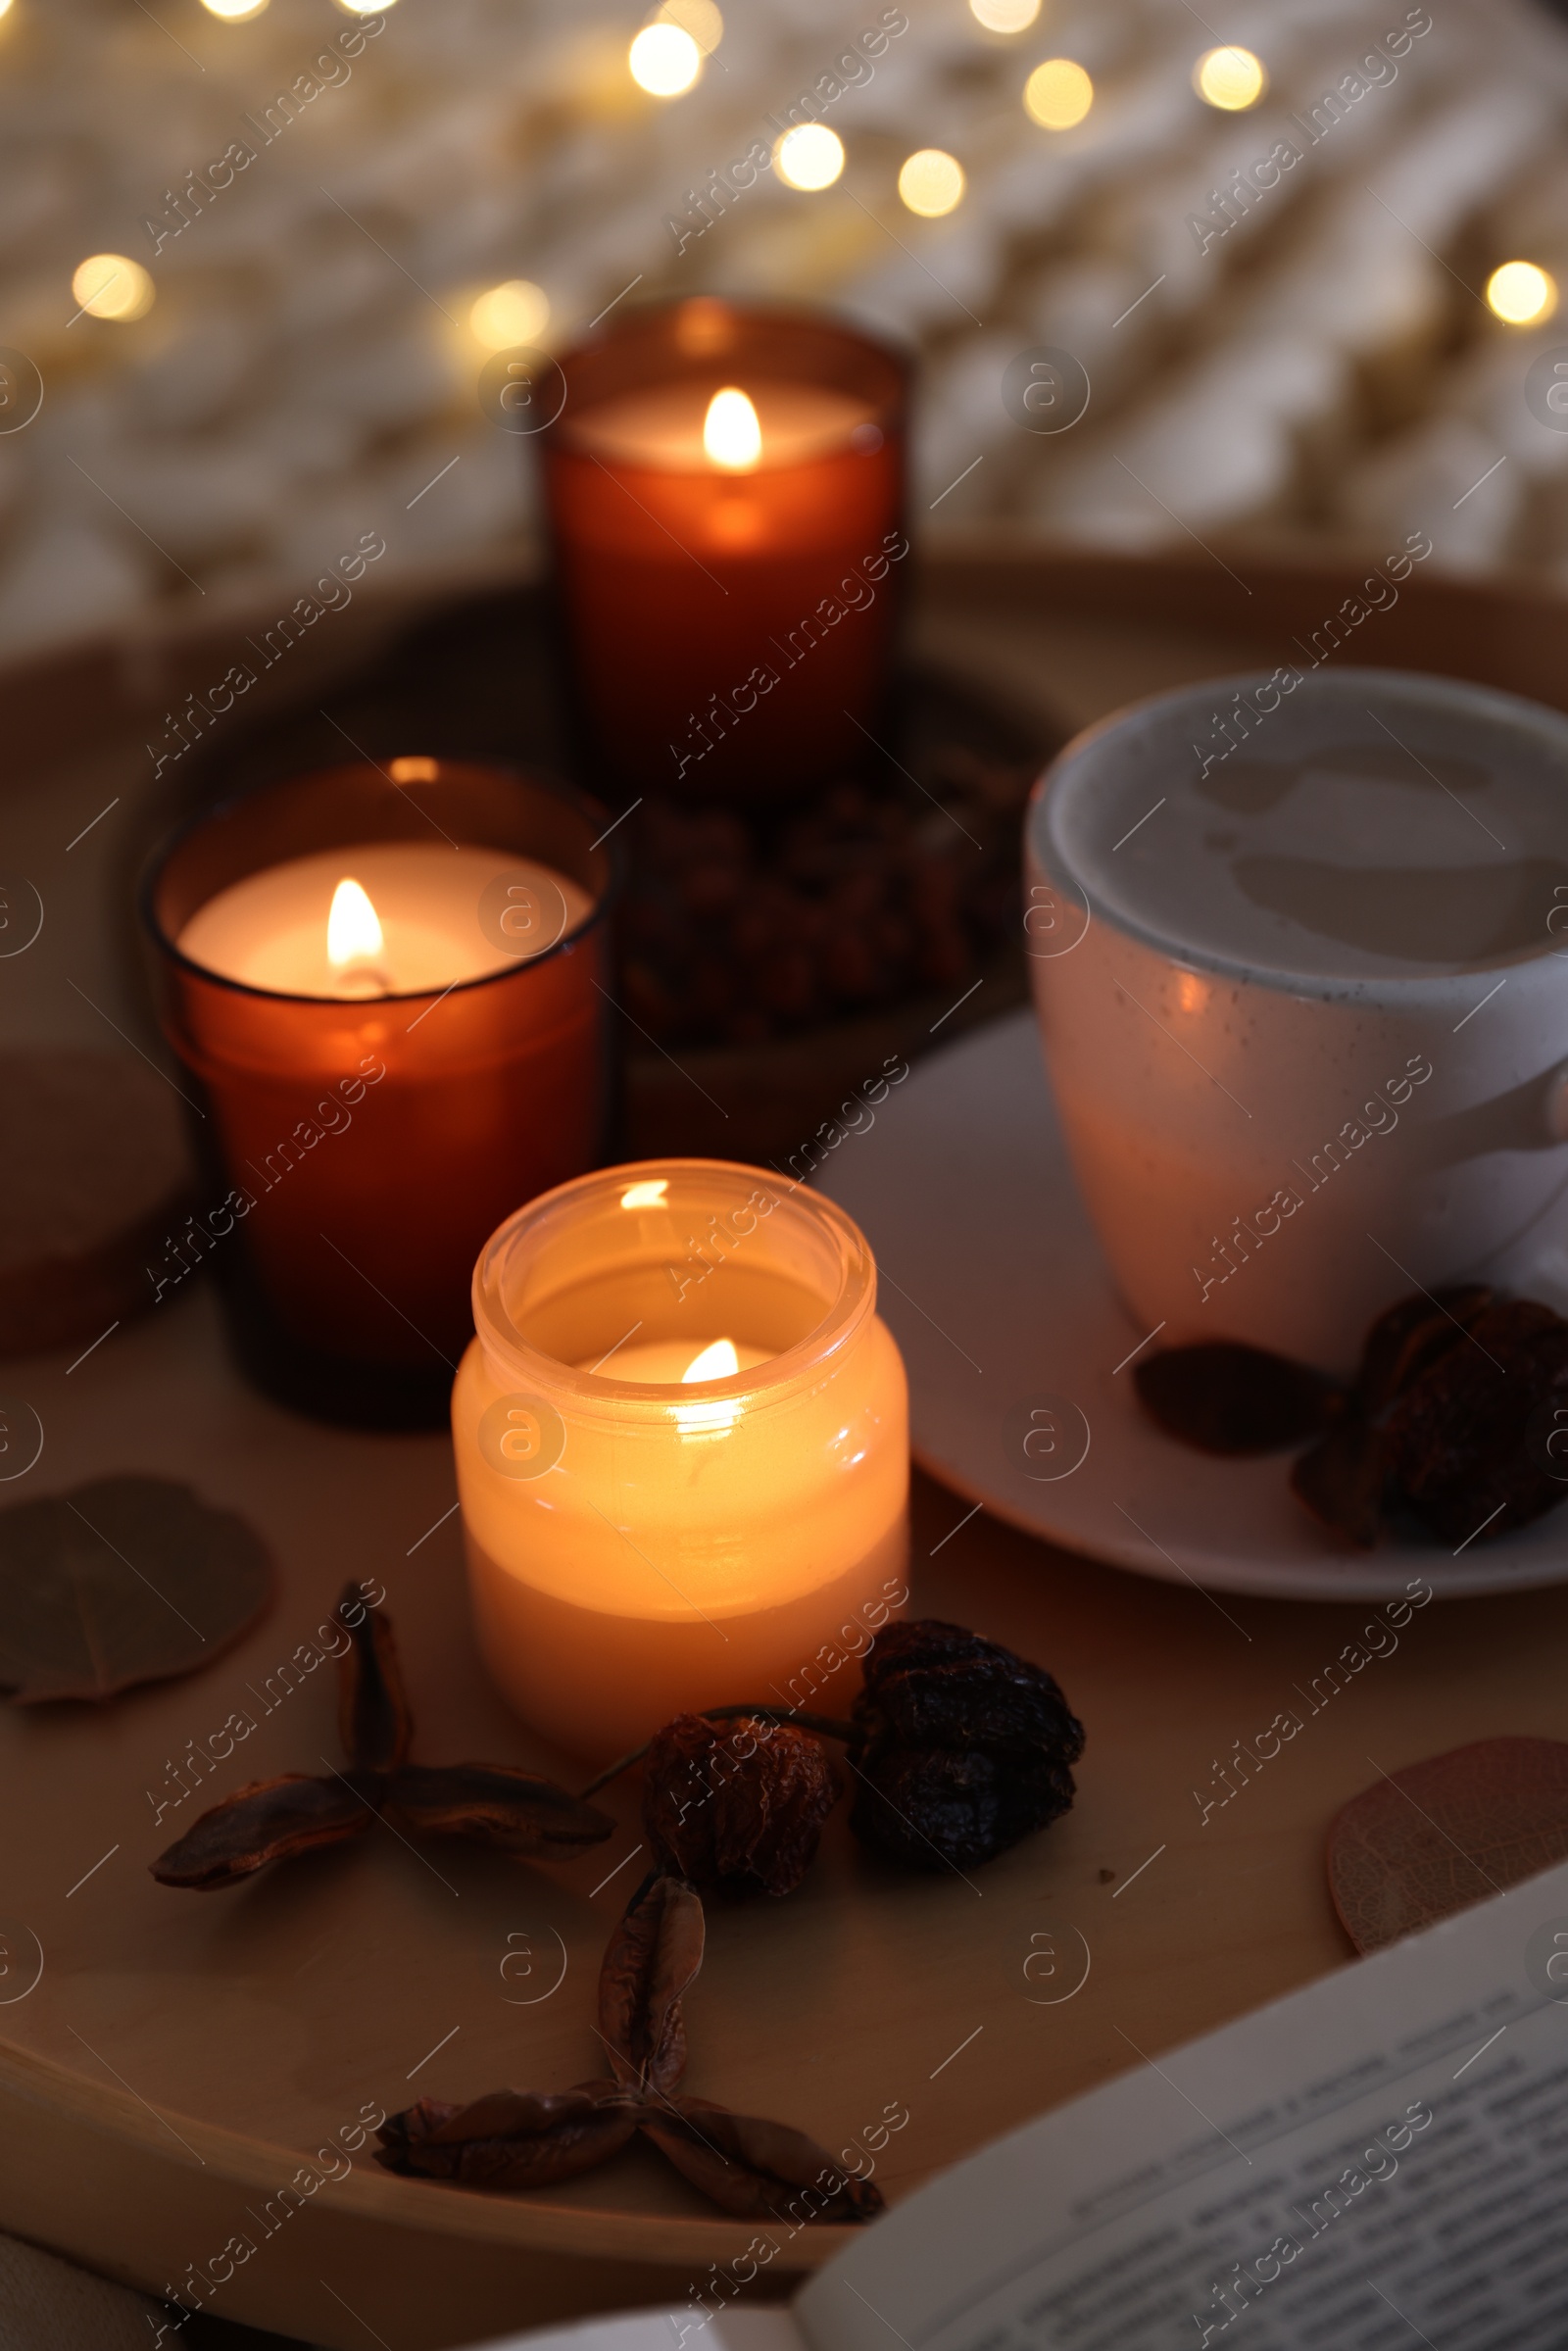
{"x": 1376, "y": 2161}
{"x": 763, "y": 2327}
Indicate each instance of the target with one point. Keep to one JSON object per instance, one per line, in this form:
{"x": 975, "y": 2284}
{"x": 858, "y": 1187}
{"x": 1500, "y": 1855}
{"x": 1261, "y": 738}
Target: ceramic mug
{"x": 1300, "y": 956}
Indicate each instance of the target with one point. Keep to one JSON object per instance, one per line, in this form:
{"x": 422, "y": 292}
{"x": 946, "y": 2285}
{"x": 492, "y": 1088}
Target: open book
{"x": 1379, "y": 2161}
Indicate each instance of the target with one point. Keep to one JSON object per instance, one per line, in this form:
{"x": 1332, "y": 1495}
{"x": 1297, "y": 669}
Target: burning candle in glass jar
{"x": 682, "y": 1451}
{"x": 392, "y": 1039}
{"x": 726, "y": 491}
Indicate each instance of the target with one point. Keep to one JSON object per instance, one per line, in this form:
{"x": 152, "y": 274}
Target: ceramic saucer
{"x": 1020, "y": 1356}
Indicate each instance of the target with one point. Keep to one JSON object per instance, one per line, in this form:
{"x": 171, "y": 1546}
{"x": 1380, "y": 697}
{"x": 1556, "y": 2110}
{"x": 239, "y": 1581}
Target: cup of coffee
{"x": 1300, "y": 956}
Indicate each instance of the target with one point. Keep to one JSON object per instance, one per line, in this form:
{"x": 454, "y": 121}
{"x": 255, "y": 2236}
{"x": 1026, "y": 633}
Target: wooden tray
{"x": 182, "y": 2055}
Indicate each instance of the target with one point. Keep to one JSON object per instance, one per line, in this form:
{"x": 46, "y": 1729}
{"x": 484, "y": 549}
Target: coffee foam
{"x": 1373, "y": 824}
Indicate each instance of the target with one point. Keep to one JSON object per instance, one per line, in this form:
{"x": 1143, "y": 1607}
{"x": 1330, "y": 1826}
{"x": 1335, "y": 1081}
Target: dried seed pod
{"x": 270, "y": 1820}
{"x": 1411, "y": 1334}
{"x": 738, "y": 1805}
{"x": 526, "y": 2138}
{"x": 495, "y": 1805}
{"x": 374, "y": 1720}
{"x": 758, "y": 2170}
{"x": 963, "y": 1748}
{"x": 649, "y": 1963}
{"x": 511, "y": 2138}
{"x": 1460, "y": 1435}
{"x": 1228, "y": 1398}
{"x": 1342, "y": 1481}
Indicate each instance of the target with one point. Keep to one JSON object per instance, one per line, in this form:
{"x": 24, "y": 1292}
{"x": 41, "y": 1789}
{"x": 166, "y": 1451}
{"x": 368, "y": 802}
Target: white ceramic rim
{"x": 1405, "y": 991}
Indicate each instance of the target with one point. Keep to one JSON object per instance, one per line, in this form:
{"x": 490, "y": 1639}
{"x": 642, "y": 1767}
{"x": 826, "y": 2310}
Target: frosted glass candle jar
{"x": 682, "y": 1450}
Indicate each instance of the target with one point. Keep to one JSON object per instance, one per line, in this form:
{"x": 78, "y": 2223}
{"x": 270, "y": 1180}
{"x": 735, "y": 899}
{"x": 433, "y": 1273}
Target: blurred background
{"x": 259, "y": 251}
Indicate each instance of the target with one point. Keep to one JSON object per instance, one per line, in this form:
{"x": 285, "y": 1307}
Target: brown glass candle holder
{"x": 730, "y": 627}
{"x": 359, "y": 1149}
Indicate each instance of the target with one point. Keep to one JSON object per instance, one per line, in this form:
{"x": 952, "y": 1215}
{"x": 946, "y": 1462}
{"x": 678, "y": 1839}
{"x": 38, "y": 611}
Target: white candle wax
{"x": 270, "y": 930}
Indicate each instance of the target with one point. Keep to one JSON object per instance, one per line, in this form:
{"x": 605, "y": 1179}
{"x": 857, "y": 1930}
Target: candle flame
{"x": 716, "y": 1362}
{"x": 731, "y": 434}
{"x": 353, "y": 932}
{"x": 712, "y": 1418}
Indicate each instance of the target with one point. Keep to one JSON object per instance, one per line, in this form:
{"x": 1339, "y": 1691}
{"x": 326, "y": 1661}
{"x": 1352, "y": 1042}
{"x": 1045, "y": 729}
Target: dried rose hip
{"x": 739, "y": 1805}
{"x": 1409, "y": 1336}
{"x": 961, "y": 1747}
{"x": 1228, "y": 1398}
{"x": 1459, "y": 1436}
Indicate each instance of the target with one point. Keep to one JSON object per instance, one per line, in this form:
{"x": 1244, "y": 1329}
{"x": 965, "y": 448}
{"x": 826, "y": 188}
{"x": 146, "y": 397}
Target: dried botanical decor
{"x": 522, "y": 2138}
{"x": 272, "y": 1820}
{"x": 1451, "y": 1418}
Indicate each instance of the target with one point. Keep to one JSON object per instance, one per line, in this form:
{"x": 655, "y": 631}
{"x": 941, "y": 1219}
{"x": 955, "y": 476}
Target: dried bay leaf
{"x": 1442, "y": 1833}
{"x": 122, "y": 1581}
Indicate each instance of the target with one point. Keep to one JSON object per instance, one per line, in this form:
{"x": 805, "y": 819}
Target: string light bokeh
{"x": 325, "y": 225}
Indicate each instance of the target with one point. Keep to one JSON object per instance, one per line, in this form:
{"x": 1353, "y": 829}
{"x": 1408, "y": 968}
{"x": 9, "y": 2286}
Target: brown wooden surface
{"x": 183, "y": 2053}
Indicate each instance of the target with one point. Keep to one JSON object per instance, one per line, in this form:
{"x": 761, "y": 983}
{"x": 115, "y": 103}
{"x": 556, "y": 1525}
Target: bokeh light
{"x": 665, "y": 61}
{"x": 1005, "y": 16}
{"x": 1521, "y": 294}
{"x": 1057, "y": 94}
{"x": 700, "y": 17}
{"x": 234, "y": 11}
{"x": 366, "y": 7}
{"x": 1229, "y": 79}
{"x": 811, "y": 156}
{"x": 931, "y": 182}
{"x": 517, "y": 312}
{"x": 109, "y": 286}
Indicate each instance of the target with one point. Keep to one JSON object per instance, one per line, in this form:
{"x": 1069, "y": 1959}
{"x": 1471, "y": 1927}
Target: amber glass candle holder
{"x": 360, "y": 1148}
{"x": 730, "y": 623}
